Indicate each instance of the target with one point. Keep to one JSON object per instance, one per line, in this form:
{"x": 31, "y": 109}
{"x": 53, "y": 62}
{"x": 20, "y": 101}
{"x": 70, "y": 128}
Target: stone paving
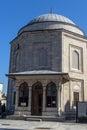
{"x": 39, "y": 125}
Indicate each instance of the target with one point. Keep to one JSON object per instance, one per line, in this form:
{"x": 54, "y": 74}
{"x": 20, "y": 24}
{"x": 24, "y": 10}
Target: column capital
{"x": 30, "y": 87}
{"x": 17, "y": 87}
{"x": 60, "y": 83}
{"x": 44, "y": 88}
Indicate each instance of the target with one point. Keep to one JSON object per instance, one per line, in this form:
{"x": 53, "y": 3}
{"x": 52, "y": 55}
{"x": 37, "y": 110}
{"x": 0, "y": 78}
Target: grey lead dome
{"x": 51, "y": 21}
{"x": 51, "y": 17}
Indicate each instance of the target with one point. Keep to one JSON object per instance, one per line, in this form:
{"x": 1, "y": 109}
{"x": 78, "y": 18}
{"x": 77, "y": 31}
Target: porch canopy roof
{"x": 64, "y": 76}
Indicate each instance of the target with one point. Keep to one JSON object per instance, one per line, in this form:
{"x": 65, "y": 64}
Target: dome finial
{"x": 51, "y": 10}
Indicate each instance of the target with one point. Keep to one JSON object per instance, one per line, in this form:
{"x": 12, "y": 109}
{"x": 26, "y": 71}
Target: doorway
{"x": 37, "y": 99}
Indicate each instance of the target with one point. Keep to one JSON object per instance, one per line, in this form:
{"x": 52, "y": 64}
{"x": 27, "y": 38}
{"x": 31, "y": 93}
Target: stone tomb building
{"x": 48, "y": 67}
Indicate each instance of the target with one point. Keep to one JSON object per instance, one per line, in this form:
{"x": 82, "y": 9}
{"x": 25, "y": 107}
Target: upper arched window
{"x": 42, "y": 57}
{"x": 75, "y": 60}
{"x": 23, "y": 94}
{"x": 51, "y": 93}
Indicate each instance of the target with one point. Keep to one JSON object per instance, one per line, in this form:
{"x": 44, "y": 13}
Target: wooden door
{"x": 37, "y": 95}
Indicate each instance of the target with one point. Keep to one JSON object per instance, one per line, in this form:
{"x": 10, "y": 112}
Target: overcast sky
{"x": 14, "y": 14}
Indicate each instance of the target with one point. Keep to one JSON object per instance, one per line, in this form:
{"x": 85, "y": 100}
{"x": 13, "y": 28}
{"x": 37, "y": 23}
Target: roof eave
{"x": 65, "y": 76}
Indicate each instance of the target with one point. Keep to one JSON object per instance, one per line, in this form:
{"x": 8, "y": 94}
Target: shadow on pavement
{"x": 10, "y": 129}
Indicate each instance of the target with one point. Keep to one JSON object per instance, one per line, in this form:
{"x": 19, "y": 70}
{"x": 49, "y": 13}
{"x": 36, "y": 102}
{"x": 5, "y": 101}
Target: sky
{"x": 14, "y": 14}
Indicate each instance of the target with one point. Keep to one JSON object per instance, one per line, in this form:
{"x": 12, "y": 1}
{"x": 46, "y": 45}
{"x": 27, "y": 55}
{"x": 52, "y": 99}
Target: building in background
{"x": 2, "y": 95}
{"x": 1, "y": 87}
{"x": 48, "y": 67}
{"x": 4, "y": 99}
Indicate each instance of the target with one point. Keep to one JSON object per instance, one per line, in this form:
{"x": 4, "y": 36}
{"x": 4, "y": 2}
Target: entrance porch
{"x": 38, "y": 93}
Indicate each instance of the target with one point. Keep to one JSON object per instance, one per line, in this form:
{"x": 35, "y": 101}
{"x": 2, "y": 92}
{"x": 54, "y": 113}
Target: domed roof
{"x": 51, "y": 21}
{"x": 51, "y": 18}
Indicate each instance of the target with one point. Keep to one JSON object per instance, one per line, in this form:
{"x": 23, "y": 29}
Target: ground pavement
{"x": 39, "y": 125}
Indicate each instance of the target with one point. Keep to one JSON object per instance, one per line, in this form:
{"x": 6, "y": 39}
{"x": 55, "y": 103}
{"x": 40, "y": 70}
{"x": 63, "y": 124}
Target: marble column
{"x": 44, "y": 98}
{"x": 17, "y": 97}
{"x": 30, "y": 96}
{"x": 59, "y": 99}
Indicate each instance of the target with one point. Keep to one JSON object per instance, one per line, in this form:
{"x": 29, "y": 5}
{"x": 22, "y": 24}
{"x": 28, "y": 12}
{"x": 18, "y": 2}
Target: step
{"x": 37, "y": 118}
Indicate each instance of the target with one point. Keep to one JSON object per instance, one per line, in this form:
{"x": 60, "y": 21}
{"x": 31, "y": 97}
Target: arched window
{"x": 75, "y": 60}
{"x": 42, "y": 57}
{"x": 51, "y": 94}
{"x": 23, "y": 94}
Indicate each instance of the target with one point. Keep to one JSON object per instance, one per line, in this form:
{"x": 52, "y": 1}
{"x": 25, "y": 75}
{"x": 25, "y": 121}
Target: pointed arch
{"x": 23, "y": 94}
{"x": 51, "y": 95}
{"x": 37, "y": 86}
{"x": 37, "y": 99}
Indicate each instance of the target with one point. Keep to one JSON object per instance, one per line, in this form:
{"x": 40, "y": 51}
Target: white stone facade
{"x": 45, "y": 46}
